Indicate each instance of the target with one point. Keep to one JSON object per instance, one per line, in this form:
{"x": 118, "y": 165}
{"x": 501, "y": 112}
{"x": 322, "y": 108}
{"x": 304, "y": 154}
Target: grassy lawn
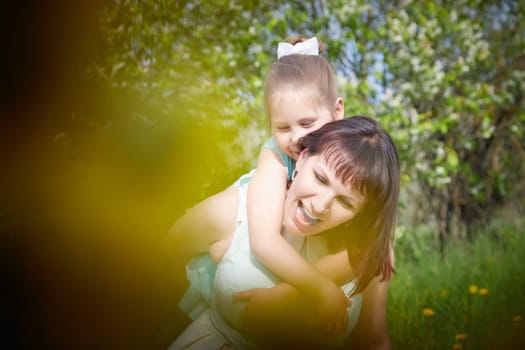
{"x": 472, "y": 298}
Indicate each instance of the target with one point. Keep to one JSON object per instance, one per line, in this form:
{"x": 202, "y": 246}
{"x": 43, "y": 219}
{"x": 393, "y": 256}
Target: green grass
{"x": 490, "y": 316}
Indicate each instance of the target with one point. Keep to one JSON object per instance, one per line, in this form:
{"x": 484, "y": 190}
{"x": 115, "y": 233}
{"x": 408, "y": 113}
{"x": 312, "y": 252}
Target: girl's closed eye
{"x": 307, "y": 123}
{"x": 282, "y": 128}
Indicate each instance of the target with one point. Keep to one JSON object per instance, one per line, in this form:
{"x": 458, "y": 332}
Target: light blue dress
{"x": 216, "y": 327}
{"x": 288, "y": 162}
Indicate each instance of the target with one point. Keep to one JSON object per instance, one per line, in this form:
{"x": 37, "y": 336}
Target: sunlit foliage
{"x": 445, "y": 78}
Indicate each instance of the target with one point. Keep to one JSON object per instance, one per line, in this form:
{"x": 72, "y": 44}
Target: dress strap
{"x": 241, "y": 222}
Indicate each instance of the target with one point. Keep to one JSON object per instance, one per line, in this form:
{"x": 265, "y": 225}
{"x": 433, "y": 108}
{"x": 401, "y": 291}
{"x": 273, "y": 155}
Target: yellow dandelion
{"x": 517, "y": 318}
{"x": 483, "y": 291}
{"x": 457, "y": 346}
{"x": 461, "y": 336}
{"x": 473, "y": 289}
{"x": 428, "y": 312}
{"x": 444, "y": 292}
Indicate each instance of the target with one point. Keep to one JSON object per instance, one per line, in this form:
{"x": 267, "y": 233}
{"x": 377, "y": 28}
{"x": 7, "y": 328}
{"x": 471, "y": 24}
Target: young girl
{"x": 301, "y": 95}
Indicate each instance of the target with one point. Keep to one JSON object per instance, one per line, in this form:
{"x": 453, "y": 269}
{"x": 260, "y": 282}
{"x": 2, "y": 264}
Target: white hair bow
{"x": 307, "y": 47}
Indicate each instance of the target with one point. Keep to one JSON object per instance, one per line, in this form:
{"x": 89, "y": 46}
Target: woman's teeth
{"x": 309, "y": 218}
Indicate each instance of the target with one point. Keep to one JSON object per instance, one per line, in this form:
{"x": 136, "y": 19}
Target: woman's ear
{"x": 339, "y": 111}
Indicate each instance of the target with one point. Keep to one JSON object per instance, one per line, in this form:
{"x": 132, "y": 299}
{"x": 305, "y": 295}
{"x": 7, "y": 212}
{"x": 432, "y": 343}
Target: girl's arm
{"x": 336, "y": 267}
{"x": 287, "y": 314}
{"x": 266, "y": 195}
{"x": 285, "y": 311}
{"x": 280, "y": 317}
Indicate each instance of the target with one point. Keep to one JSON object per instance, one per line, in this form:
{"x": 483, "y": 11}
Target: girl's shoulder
{"x": 287, "y": 161}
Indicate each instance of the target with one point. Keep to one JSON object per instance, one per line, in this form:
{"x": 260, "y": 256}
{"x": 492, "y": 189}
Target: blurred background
{"x": 118, "y": 115}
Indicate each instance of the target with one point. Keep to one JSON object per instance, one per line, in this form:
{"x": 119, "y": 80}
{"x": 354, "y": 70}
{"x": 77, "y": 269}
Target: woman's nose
{"x": 322, "y": 204}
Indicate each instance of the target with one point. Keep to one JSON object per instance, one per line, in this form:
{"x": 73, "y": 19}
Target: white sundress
{"x": 216, "y": 324}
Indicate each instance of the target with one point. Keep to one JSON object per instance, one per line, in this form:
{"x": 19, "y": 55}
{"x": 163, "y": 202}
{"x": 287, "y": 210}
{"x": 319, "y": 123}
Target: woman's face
{"x": 296, "y": 112}
{"x": 317, "y": 200}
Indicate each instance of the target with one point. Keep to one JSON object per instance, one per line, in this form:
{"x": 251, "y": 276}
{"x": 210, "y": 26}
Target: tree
{"x": 458, "y": 69}
{"x": 445, "y": 78}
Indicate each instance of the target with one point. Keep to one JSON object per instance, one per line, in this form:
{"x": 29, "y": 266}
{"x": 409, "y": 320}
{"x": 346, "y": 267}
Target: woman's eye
{"x": 320, "y": 178}
{"x": 345, "y": 203}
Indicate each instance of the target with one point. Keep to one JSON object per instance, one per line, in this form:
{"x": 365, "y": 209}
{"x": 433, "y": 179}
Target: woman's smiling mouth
{"x": 304, "y": 218}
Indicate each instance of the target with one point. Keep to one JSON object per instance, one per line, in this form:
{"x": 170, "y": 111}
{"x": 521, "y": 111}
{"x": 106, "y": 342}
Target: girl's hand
{"x": 274, "y": 309}
{"x": 263, "y": 306}
{"x": 332, "y": 310}
{"x": 255, "y": 309}
{"x": 280, "y": 318}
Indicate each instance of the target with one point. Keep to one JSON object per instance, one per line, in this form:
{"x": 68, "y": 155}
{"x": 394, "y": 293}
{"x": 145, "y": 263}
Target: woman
{"x": 340, "y": 206}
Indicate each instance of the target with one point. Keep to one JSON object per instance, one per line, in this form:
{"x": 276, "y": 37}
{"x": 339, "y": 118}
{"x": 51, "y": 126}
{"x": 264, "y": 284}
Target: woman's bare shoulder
{"x": 207, "y": 222}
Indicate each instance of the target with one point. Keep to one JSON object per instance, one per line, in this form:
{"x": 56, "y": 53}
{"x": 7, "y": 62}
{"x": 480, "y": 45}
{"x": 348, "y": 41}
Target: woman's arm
{"x": 371, "y": 331}
{"x": 266, "y": 194}
{"x": 209, "y": 221}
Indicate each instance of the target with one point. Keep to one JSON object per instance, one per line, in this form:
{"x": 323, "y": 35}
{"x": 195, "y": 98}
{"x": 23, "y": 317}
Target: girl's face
{"x": 317, "y": 200}
{"x": 296, "y": 112}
